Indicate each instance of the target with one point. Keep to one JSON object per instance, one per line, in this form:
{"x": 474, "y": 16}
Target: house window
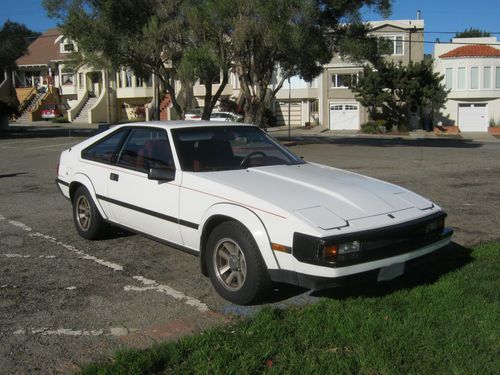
{"x": 395, "y": 45}
{"x": 474, "y": 77}
{"x": 449, "y": 78}
{"x": 487, "y": 77}
{"x": 343, "y": 80}
{"x": 139, "y": 82}
{"x": 128, "y": 77}
{"x": 67, "y": 79}
{"x": 80, "y": 80}
{"x": 149, "y": 80}
{"x": 68, "y": 47}
{"x": 497, "y": 77}
{"x": 461, "y": 79}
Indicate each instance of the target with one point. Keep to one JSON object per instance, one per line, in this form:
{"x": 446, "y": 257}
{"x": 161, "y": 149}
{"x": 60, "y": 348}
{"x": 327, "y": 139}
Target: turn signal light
{"x": 281, "y": 248}
{"x": 330, "y": 251}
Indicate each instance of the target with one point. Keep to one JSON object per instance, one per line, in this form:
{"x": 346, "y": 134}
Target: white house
{"x": 471, "y": 70}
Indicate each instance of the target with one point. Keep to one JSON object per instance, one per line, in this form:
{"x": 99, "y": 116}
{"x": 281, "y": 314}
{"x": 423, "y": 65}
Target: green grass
{"x": 448, "y": 326}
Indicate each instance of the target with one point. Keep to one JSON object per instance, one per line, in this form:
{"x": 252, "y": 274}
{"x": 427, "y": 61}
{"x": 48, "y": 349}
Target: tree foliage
{"x": 391, "y": 91}
{"x": 472, "y": 33}
{"x": 295, "y": 37}
{"x": 14, "y": 41}
{"x": 202, "y": 38}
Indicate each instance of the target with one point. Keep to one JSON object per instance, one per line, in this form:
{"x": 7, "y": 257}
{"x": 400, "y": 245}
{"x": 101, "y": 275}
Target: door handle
{"x": 113, "y": 177}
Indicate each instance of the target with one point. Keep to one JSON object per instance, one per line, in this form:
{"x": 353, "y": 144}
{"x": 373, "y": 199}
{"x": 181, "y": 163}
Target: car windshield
{"x": 217, "y": 148}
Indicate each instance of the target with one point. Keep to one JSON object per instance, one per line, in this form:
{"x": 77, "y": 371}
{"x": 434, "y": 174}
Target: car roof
{"x": 181, "y": 124}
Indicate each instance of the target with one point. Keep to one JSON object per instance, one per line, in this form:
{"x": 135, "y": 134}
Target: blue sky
{"x": 439, "y": 16}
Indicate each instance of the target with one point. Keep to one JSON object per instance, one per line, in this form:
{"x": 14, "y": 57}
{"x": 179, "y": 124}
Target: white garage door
{"x": 295, "y": 114}
{"x": 344, "y": 116}
{"x": 473, "y": 117}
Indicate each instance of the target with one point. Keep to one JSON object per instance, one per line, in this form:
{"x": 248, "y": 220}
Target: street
{"x": 65, "y": 301}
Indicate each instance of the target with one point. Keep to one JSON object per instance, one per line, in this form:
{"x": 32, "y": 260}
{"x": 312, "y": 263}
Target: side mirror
{"x": 162, "y": 174}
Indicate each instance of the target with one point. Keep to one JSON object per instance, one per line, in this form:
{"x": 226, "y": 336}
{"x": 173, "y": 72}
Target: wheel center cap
{"x": 234, "y": 263}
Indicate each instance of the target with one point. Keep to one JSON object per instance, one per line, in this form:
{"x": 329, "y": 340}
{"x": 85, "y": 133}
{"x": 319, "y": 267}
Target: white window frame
{"x": 471, "y": 83}
{"x": 72, "y": 81}
{"x": 67, "y": 42}
{"x": 334, "y": 80}
{"x": 393, "y": 39}
{"x": 487, "y": 78}
{"x": 448, "y": 78}
{"x": 464, "y": 70}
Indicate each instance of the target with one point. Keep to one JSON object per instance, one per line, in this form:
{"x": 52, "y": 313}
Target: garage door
{"x": 473, "y": 117}
{"x": 344, "y": 116}
{"x": 295, "y": 113}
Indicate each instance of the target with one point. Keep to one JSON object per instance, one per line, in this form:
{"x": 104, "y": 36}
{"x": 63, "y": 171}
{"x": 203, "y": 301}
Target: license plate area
{"x": 391, "y": 272}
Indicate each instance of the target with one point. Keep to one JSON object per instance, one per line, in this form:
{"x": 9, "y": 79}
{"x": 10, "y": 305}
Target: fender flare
{"x": 82, "y": 179}
{"x": 230, "y": 211}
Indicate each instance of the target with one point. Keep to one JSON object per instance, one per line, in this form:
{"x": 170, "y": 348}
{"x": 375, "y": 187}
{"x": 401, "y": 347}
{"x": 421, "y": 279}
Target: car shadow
{"x": 46, "y": 132}
{"x": 448, "y": 259}
{"x": 7, "y": 175}
{"x": 389, "y": 142}
{"x": 451, "y": 258}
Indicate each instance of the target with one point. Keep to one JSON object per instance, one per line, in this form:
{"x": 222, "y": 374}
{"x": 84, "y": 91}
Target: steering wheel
{"x": 247, "y": 158}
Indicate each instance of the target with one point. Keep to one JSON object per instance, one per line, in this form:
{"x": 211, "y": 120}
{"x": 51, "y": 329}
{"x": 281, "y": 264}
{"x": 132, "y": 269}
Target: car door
{"x": 97, "y": 163}
{"x": 144, "y": 205}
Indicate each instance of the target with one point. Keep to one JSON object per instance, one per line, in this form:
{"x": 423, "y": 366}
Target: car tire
{"x": 235, "y": 265}
{"x": 88, "y": 221}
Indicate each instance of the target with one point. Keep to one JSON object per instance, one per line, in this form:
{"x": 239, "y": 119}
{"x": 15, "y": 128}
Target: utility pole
{"x": 289, "y": 106}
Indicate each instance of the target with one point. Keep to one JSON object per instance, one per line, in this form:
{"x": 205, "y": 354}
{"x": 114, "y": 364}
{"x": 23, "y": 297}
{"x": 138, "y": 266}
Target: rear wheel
{"x": 235, "y": 265}
{"x": 88, "y": 221}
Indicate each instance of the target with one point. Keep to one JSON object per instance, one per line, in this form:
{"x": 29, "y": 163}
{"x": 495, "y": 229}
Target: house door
{"x": 473, "y": 117}
{"x": 344, "y": 116}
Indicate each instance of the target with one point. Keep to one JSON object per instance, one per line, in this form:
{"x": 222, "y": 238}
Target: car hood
{"x": 322, "y": 195}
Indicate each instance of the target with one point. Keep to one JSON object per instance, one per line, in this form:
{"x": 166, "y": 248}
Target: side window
{"x": 106, "y": 149}
{"x": 146, "y": 148}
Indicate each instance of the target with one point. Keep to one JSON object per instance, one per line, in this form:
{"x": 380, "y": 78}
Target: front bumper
{"x": 364, "y": 272}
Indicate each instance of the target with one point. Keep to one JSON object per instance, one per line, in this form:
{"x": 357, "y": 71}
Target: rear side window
{"x": 106, "y": 149}
{"x": 146, "y": 148}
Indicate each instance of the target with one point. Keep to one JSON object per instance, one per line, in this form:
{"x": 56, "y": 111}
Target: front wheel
{"x": 88, "y": 221}
{"x": 235, "y": 265}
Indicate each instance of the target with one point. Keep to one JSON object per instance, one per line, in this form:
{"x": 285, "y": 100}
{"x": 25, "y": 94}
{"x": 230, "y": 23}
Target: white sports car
{"x": 250, "y": 209}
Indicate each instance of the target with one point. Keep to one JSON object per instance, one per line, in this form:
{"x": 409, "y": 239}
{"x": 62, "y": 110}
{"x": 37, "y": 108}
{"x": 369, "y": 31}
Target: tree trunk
{"x": 171, "y": 91}
{"x": 207, "y": 110}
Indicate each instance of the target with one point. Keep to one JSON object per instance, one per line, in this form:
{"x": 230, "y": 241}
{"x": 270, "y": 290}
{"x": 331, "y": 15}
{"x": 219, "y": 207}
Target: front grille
{"x": 374, "y": 244}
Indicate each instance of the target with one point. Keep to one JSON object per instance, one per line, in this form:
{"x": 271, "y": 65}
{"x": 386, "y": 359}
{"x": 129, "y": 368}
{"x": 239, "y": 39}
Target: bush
{"x": 370, "y": 127}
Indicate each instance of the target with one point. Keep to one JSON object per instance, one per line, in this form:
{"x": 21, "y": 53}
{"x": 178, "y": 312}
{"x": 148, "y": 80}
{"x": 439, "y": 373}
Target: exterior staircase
{"x": 33, "y": 101}
{"x": 83, "y": 115}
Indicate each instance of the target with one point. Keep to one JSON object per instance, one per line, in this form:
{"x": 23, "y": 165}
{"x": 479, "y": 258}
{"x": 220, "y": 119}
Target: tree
{"x": 173, "y": 39}
{"x": 201, "y": 38}
{"x": 14, "y": 41}
{"x": 472, "y": 33}
{"x": 209, "y": 52}
{"x": 391, "y": 90}
{"x": 293, "y": 37}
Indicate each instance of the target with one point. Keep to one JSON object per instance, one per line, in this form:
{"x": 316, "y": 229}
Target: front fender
{"x": 82, "y": 179}
{"x": 224, "y": 211}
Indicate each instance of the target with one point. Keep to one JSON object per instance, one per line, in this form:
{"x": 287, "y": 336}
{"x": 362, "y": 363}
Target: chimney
{"x": 419, "y": 15}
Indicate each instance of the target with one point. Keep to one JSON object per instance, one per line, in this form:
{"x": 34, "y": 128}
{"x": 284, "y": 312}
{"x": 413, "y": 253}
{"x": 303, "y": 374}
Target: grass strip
{"x": 450, "y": 326}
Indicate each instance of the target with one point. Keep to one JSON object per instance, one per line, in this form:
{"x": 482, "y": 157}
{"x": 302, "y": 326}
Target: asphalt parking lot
{"x": 65, "y": 301}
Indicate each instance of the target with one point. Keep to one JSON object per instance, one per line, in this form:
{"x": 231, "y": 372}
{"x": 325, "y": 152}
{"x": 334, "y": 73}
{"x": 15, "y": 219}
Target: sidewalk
{"x": 297, "y": 132}
{"x": 319, "y": 131}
